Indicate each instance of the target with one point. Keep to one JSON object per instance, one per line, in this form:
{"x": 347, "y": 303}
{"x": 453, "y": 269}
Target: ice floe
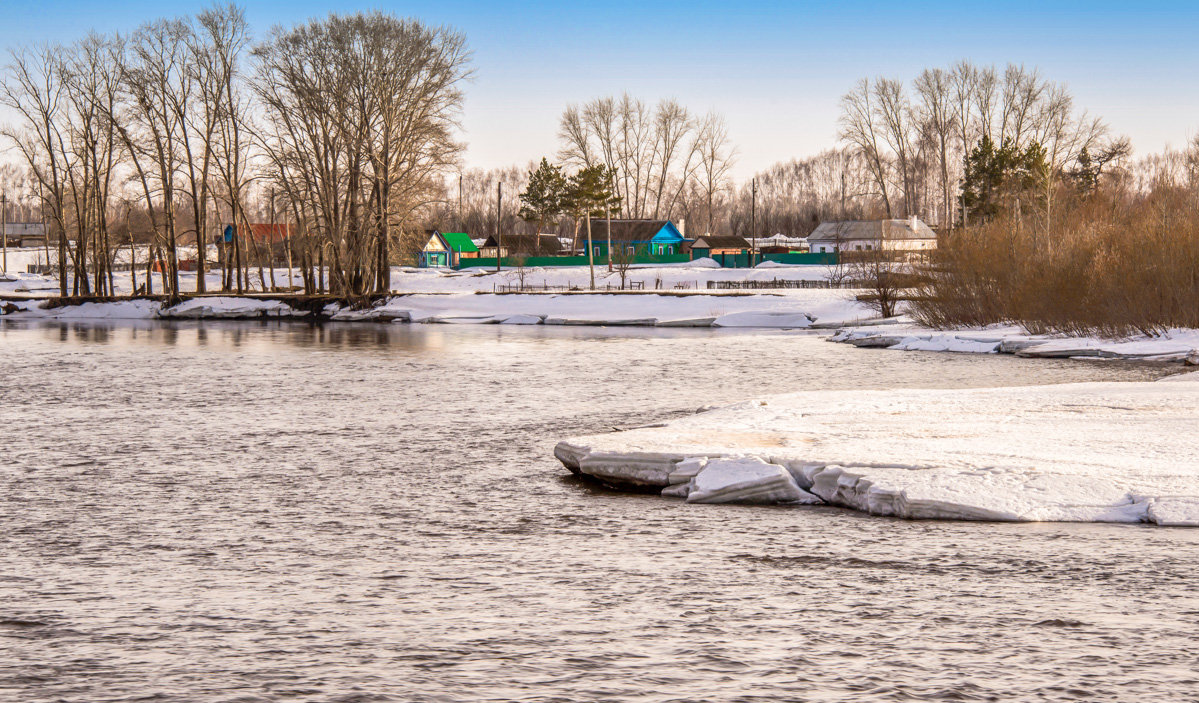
{"x": 1172, "y": 345}
{"x": 1094, "y": 452}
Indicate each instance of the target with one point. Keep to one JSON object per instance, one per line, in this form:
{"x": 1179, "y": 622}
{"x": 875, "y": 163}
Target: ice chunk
{"x": 634, "y": 468}
{"x": 1178, "y": 512}
{"x": 688, "y": 322}
{"x": 522, "y": 320}
{"x": 765, "y": 318}
{"x": 603, "y": 322}
{"x": 678, "y": 490}
{"x": 746, "y": 480}
{"x": 687, "y": 469}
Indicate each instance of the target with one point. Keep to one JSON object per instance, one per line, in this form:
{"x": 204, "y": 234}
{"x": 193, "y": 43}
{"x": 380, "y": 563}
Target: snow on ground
{"x": 1093, "y": 452}
{"x": 1172, "y": 345}
{"x": 406, "y": 279}
{"x": 693, "y": 274}
{"x": 792, "y": 309}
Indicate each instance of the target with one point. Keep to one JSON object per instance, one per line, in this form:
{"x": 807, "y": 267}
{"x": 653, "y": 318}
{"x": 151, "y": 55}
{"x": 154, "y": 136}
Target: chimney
{"x": 912, "y": 223}
{"x": 683, "y": 227}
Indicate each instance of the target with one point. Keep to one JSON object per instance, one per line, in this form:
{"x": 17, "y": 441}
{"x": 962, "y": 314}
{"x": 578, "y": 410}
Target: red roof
{"x": 266, "y": 231}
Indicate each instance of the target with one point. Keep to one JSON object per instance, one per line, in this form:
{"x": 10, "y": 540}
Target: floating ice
{"x": 1092, "y": 452}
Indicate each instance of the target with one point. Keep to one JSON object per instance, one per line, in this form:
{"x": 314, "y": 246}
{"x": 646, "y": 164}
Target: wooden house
{"x": 711, "y": 245}
{"x": 654, "y": 237}
{"x": 908, "y": 236}
{"x": 523, "y": 245}
{"x": 446, "y": 249}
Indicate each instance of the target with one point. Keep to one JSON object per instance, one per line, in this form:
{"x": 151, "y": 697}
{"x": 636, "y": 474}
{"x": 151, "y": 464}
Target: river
{"x": 277, "y": 512}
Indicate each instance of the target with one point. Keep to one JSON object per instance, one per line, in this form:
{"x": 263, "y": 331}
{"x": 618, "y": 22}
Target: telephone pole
{"x": 499, "y": 208}
{"x": 4, "y": 228}
{"x": 753, "y": 221}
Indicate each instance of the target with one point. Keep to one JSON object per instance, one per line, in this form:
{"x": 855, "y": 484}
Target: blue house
{"x": 654, "y": 237}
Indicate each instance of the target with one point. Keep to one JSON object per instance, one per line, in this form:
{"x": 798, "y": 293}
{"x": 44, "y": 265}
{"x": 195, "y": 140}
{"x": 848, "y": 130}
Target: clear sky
{"x": 776, "y": 70}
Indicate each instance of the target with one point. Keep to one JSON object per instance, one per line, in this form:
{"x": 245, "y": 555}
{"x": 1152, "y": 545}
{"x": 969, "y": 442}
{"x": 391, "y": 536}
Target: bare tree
{"x": 360, "y": 111}
{"x": 859, "y": 129}
{"x": 716, "y": 158}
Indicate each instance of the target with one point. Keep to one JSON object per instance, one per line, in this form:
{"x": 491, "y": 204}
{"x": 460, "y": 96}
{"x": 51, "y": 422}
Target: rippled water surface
{"x": 359, "y": 513}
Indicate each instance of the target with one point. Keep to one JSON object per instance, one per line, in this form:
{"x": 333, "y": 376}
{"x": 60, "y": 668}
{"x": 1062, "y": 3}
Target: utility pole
{"x": 499, "y": 208}
{"x": 4, "y": 227}
{"x": 753, "y": 221}
{"x": 608, "y": 217}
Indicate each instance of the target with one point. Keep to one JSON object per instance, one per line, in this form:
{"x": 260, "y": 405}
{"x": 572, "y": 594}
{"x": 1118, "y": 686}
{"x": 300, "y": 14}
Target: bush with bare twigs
{"x": 1112, "y": 263}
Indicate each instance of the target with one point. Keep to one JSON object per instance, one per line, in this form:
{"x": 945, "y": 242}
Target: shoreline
{"x": 770, "y": 310}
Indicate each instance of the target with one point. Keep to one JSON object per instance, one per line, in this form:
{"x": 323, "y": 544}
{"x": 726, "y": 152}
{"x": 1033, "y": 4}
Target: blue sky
{"x": 775, "y": 70}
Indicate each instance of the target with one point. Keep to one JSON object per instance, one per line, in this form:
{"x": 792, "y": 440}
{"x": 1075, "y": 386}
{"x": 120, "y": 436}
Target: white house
{"x": 910, "y": 235}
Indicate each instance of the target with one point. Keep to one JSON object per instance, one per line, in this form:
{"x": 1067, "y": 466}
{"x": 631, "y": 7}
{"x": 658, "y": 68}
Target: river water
{"x": 245, "y": 512}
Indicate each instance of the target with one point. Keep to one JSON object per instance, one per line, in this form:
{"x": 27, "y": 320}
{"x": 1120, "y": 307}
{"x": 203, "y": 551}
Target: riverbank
{"x": 793, "y": 309}
{"x": 1092, "y": 452}
{"x": 1172, "y": 346}
{"x": 691, "y": 275}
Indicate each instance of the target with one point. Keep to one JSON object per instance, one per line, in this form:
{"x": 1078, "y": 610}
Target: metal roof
{"x": 872, "y": 230}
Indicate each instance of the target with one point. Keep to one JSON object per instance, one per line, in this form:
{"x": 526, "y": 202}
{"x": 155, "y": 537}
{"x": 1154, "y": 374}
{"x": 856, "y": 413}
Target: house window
{"x": 596, "y": 251}
{"x": 630, "y": 250}
{"x": 858, "y": 247}
{"x": 670, "y": 249}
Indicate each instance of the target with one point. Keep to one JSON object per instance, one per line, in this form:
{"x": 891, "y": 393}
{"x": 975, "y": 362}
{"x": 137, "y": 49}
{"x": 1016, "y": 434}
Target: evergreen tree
{"x": 588, "y": 194}
{"x": 544, "y": 198}
{"x": 999, "y": 179}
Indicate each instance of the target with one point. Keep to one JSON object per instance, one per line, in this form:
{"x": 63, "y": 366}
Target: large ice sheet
{"x": 1096, "y": 452}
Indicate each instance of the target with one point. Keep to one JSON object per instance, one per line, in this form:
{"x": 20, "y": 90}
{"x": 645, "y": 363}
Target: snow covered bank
{"x": 796, "y": 309}
{"x": 690, "y": 275}
{"x": 215, "y": 308}
{"x": 1174, "y": 345}
{"x": 1094, "y": 452}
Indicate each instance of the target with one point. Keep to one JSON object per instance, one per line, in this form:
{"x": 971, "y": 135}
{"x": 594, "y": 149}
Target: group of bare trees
{"x": 666, "y": 159}
{"x": 347, "y": 122}
{"x": 915, "y": 139}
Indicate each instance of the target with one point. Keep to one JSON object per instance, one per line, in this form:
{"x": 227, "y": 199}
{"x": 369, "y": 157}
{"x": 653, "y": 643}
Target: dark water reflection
{"x": 243, "y": 512}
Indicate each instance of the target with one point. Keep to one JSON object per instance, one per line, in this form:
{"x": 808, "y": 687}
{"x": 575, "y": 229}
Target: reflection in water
{"x": 264, "y": 511}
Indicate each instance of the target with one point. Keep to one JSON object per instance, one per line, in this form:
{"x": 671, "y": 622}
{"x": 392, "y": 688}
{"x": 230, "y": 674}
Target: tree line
{"x": 348, "y": 122}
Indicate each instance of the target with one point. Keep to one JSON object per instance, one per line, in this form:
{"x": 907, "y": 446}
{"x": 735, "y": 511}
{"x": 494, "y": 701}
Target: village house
{"x": 653, "y": 237}
{"x": 523, "y": 245}
{"x": 26, "y": 235}
{"x": 446, "y": 249}
{"x": 717, "y": 246}
{"x": 268, "y": 243}
{"x": 911, "y": 235}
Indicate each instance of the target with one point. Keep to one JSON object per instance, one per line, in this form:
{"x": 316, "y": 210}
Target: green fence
{"x": 727, "y": 261}
{"x": 816, "y": 258}
{"x": 569, "y": 261}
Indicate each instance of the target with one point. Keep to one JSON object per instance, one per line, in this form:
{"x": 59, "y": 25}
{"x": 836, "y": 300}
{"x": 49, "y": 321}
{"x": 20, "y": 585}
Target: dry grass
{"x": 1109, "y": 264}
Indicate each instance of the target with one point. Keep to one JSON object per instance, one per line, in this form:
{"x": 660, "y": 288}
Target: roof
{"x": 876, "y": 230}
{"x": 528, "y": 243}
{"x": 459, "y": 241}
{"x": 720, "y": 242}
{"x": 631, "y": 230}
{"x": 17, "y": 229}
{"x": 263, "y": 231}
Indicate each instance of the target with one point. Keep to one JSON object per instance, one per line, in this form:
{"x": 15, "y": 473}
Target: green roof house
{"x": 446, "y": 249}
